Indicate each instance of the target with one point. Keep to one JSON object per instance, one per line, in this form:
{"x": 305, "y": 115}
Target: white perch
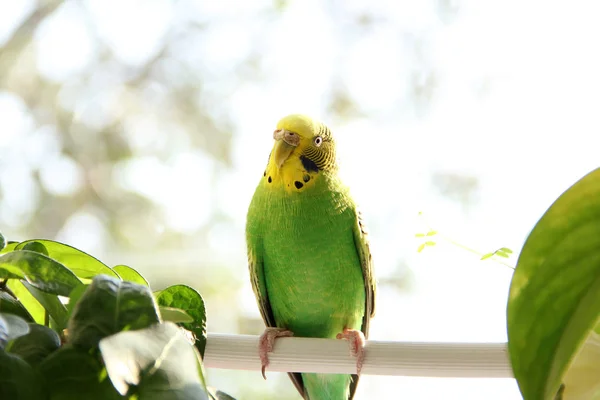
{"x": 449, "y": 360}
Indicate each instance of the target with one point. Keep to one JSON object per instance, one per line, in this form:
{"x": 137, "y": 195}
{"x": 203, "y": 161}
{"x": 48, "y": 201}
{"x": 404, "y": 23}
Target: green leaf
{"x": 2, "y": 241}
{"x": 18, "y": 380}
{"x": 10, "y": 246}
{"x": 216, "y": 394}
{"x": 431, "y": 233}
{"x": 175, "y": 315}
{"x": 41, "y": 271}
{"x": 429, "y": 243}
{"x": 36, "y": 345}
{"x": 131, "y": 275}
{"x": 108, "y": 306}
{"x": 581, "y": 380}
{"x": 157, "y": 363}
{"x": 500, "y": 253}
{"x": 189, "y": 300}
{"x": 506, "y": 250}
{"x": 52, "y": 304}
{"x": 420, "y": 235}
{"x": 34, "y": 246}
{"x": 82, "y": 264}
{"x": 74, "y": 297}
{"x": 486, "y": 256}
{"x": 421, "y": 247}
{"x": 76, "y": 375}
{"x": 10, "y": 305}
{"x": 554, "y": 298}
{"x": 11, "y": 327}
{"x": 33, "y": 306}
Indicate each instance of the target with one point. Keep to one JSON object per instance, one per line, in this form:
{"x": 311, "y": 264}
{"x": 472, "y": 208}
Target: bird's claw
{"x": 266, "y": 343}
{"x": 356, "y": 341}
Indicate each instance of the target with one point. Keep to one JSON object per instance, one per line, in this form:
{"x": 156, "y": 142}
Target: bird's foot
{"x": 266, "y": 342}
{"x": 356, "y": 340}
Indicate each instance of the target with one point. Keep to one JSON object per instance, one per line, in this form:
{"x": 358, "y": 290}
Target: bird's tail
{"x": 327, "y": 386}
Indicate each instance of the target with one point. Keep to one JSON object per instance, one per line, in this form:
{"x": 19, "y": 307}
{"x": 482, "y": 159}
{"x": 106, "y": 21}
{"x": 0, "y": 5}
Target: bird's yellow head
{"x": 303, "y": 149}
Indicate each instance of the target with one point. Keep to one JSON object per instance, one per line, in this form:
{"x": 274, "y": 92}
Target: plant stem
{"x": 4, "y": 288}
{"x": 462, "y": 246}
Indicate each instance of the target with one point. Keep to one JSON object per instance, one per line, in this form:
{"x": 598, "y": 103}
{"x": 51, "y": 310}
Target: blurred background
{"x": 138, "y": 130}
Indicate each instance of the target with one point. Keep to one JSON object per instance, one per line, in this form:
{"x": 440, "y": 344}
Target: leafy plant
{"x": 72, "y": 327}
{"x": 554, "y": 302}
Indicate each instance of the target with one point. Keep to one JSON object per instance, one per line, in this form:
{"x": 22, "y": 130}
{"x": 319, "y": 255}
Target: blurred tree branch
{"x": 22, "y": 36}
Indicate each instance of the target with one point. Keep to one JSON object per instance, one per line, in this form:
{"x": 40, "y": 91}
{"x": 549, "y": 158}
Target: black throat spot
{"x": 308, "y": 164}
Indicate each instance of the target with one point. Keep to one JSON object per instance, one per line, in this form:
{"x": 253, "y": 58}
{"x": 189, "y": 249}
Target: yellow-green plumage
{"x": 308, "y": 254}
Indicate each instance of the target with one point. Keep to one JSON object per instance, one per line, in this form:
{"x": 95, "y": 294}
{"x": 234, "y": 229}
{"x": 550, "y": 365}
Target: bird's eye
{"x": 318, "y": 141}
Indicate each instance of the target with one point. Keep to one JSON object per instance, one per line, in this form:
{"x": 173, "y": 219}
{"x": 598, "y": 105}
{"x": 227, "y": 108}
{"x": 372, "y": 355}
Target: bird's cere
{"x": 290, "y": 138}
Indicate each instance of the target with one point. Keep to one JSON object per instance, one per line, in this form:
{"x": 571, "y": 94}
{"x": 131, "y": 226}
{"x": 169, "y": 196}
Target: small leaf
{"x": 52, "y": 304}
{"x": 506, "y": 250}
{"x": 421, "y": 247}
{"x": 216, "y": 394}
{"x": 35, "y": 246}
{"x": 18, "y": 380}
{"x": 554, "y": 298}
{"x": 486, "y": 256}
{"x": 501, "y": 253}
{"x": 36, "y": 345}
{"x": 429, "y": 243}
{"x": 75, "y": 375}
{"x": 157, "y": 363}
{"x": 42, "y": 272}
{"x": 431, "y": 233}
{"x": 420, "y": 235}
{"x": 10, "y": 305}
{"x": 108, "y": 306}
{"x": 189, "y": 300}
{"x": 174, "y": 315}
{"x": 131, "y": 275}
{"x": 82, "y": 264}
{"x": 33, "y": 306}
{"x": 11, "y": 327}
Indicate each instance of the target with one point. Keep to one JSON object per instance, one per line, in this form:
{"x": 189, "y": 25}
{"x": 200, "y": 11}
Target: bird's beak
{"x": 285, "y": 144}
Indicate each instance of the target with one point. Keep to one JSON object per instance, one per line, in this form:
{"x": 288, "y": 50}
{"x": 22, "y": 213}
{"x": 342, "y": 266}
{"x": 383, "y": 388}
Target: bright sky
{"x": 516, "y": 107}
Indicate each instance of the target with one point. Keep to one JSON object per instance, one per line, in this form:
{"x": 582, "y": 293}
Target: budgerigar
{"x": 309, "y": 258}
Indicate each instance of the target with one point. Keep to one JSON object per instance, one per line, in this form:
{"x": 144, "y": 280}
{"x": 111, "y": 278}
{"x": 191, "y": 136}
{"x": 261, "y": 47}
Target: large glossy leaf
{"x": 75, "y": 375}
{"x": 18, "y": 380}
{"x": 190, "y": 301}
{"x": 109, "y": 306}
{"x": 131, "y": 275}
{"x": 36, "y": 345}
{"x": 10, "y": 305}
{"x": 11, "y": 327}
{"x": 554, "y": 298}
{"x": 158, "y": 362}
{"x": 25, "y": 297}
{"x": 82, "y": 264}
{"x": 41, "y": 271}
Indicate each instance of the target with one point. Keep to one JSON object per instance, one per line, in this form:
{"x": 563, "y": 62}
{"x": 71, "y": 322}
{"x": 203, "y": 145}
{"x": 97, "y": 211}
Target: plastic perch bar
{"x": 452, "y": 360}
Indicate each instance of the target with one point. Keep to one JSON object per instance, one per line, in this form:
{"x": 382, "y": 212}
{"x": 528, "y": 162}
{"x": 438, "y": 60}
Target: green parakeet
{"x": 308, "y": 253}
